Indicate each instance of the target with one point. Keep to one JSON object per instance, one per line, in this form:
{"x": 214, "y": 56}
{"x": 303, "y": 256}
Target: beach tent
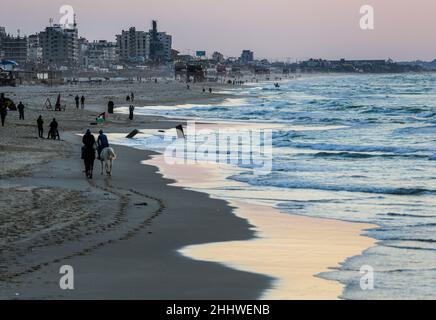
{"x": 8, "y": 65}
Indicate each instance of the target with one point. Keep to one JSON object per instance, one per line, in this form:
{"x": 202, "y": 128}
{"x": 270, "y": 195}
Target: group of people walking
{"x": 80, "y": 101}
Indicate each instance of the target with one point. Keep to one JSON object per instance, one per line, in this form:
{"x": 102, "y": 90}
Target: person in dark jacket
{"x": 131, "y": 111}
{"x": 20, "y": 108}
{"x": 40, "y": 124}
{"x": 102, "y": 143}
{"x": 3, "y": 109}
{"x": 77, "y": 99}
{"x": 53, "y": 132}
{"x": 88, "y": 152}
{"x": 82, "y": 101}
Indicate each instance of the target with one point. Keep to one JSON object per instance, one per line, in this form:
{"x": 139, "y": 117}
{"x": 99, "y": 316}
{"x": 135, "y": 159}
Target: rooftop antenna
{"x": 50, "y": 21}
{"x": 18, "y": 31}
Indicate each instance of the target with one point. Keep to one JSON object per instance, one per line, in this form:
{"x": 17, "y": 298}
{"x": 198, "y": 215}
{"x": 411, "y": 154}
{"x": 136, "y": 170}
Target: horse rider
{"x": 102, "y": 143}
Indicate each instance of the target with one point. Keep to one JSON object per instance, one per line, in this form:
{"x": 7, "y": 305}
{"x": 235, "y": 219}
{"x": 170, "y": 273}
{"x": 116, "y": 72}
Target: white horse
{"x": 107, "y": 157}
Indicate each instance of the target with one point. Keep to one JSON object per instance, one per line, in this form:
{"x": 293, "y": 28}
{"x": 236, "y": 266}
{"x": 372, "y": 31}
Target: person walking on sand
{"x": 102, "y": 143}
{"x": 131, "y": 111}
{"x": 88, "y": 152}
{"x": 3, "y": 109}
{"x": 53, "y": 133}
{"x": 40, "y": 124}
{"x": 77, "y": 99}
{"x": 20, "y": 108}
{"x": 82, "y": 101}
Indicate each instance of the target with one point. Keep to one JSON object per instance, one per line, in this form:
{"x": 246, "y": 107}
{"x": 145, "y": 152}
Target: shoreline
{"x": 292, "y": 249}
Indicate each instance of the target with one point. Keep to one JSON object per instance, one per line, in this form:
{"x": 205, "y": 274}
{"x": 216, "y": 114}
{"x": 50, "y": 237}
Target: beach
{"x": 149, "y": 231}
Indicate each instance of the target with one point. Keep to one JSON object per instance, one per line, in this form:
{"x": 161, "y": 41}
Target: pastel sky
{"x": 275, "y": 29}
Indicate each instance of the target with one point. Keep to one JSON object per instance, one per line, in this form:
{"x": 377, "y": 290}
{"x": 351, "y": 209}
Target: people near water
{"x": 20, "y": 108}
{"x": 88, "y": 152}
{"x": 204, "y": 89}
{"x": 188, "y": 87}
{"x": 40, "y": 123}
{"x": 77, "y": 100}
{"x": 210, "y": 90}
{"x": 128, "y": 98}
{"x": 3, "y": 109}
{"x": 131, "y": 111}
{"x": 132, "y": 96}
{"x": 53, "y": 132}
{"x": 102, "y": 143}
{"x": 82, "y": 102}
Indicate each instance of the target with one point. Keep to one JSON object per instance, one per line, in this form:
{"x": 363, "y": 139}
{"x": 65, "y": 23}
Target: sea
{"x": 365, "y": 147}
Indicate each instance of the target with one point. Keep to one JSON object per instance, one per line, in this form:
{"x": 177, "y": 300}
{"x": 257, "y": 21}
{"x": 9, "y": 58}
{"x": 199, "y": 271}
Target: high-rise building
{"x": 15, "y": 48}
{"x": 132, "y": 45}
{"x": 141, "y": 46}
{"x": 2, "y": 35}
{"x": 160, "y": 45}
{"x": 60, "y": 45}
{"x": 34, "y": 50}
{"x": 247, "y": 56}
{"x": 217, "y": 57}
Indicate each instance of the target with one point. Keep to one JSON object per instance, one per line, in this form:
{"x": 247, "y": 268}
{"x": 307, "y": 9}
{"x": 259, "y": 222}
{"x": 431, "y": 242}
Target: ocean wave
{"x": 392, "y": 214}
{"x": 351, "y": 148}
{"x": 270, "y": 181}
{"x": 359, "y": 155}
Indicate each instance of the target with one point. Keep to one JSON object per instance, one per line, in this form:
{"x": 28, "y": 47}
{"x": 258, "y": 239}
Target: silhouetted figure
{"x": 40, "y": 124}
{"x": 131, "y": 111}
{"x": 128, "y": 99}
{"x": 132, "y": 97}
{"x": 53, "y": 132}
{"x": 88, "y": 153}
{"x": 3, "y": 109}
{"x": 20, "y": 108}
{"x": 102, "y": 143}
{"x": 77, "y": 99}
{"x": 110, "y": 107}
{"x": 82, "y": 102}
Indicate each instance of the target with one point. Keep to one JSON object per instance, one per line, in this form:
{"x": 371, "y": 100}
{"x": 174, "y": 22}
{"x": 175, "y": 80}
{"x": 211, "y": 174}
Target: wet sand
{"x": 292, "y": 249}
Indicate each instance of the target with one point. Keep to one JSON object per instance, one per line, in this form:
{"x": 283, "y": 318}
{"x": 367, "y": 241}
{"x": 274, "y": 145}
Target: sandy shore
{"x": 125, "y": 235}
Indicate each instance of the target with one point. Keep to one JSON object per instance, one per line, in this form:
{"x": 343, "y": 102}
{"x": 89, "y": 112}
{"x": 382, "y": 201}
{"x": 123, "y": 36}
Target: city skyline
{"x": 297, "y": 31}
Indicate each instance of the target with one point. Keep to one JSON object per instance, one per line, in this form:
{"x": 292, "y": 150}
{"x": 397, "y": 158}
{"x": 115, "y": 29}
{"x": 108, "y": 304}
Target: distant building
{"x": 247, "y": 56}
{"x": 15, "y": 48}
{"x": 160, "y": 45}
{"x": 60, "y": 46}
{"x": 218, "y": 57}
{"x": 132, "y": 45}
{"x": 2, "y": 35}
{"x": 140, "y": 46}
{"x": 102, "y": 53}
{"x": 34, "y": 50}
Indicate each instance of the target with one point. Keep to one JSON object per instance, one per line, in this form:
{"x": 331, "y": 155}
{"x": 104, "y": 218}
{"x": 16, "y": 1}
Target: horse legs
{"x": 102, "y": 164}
